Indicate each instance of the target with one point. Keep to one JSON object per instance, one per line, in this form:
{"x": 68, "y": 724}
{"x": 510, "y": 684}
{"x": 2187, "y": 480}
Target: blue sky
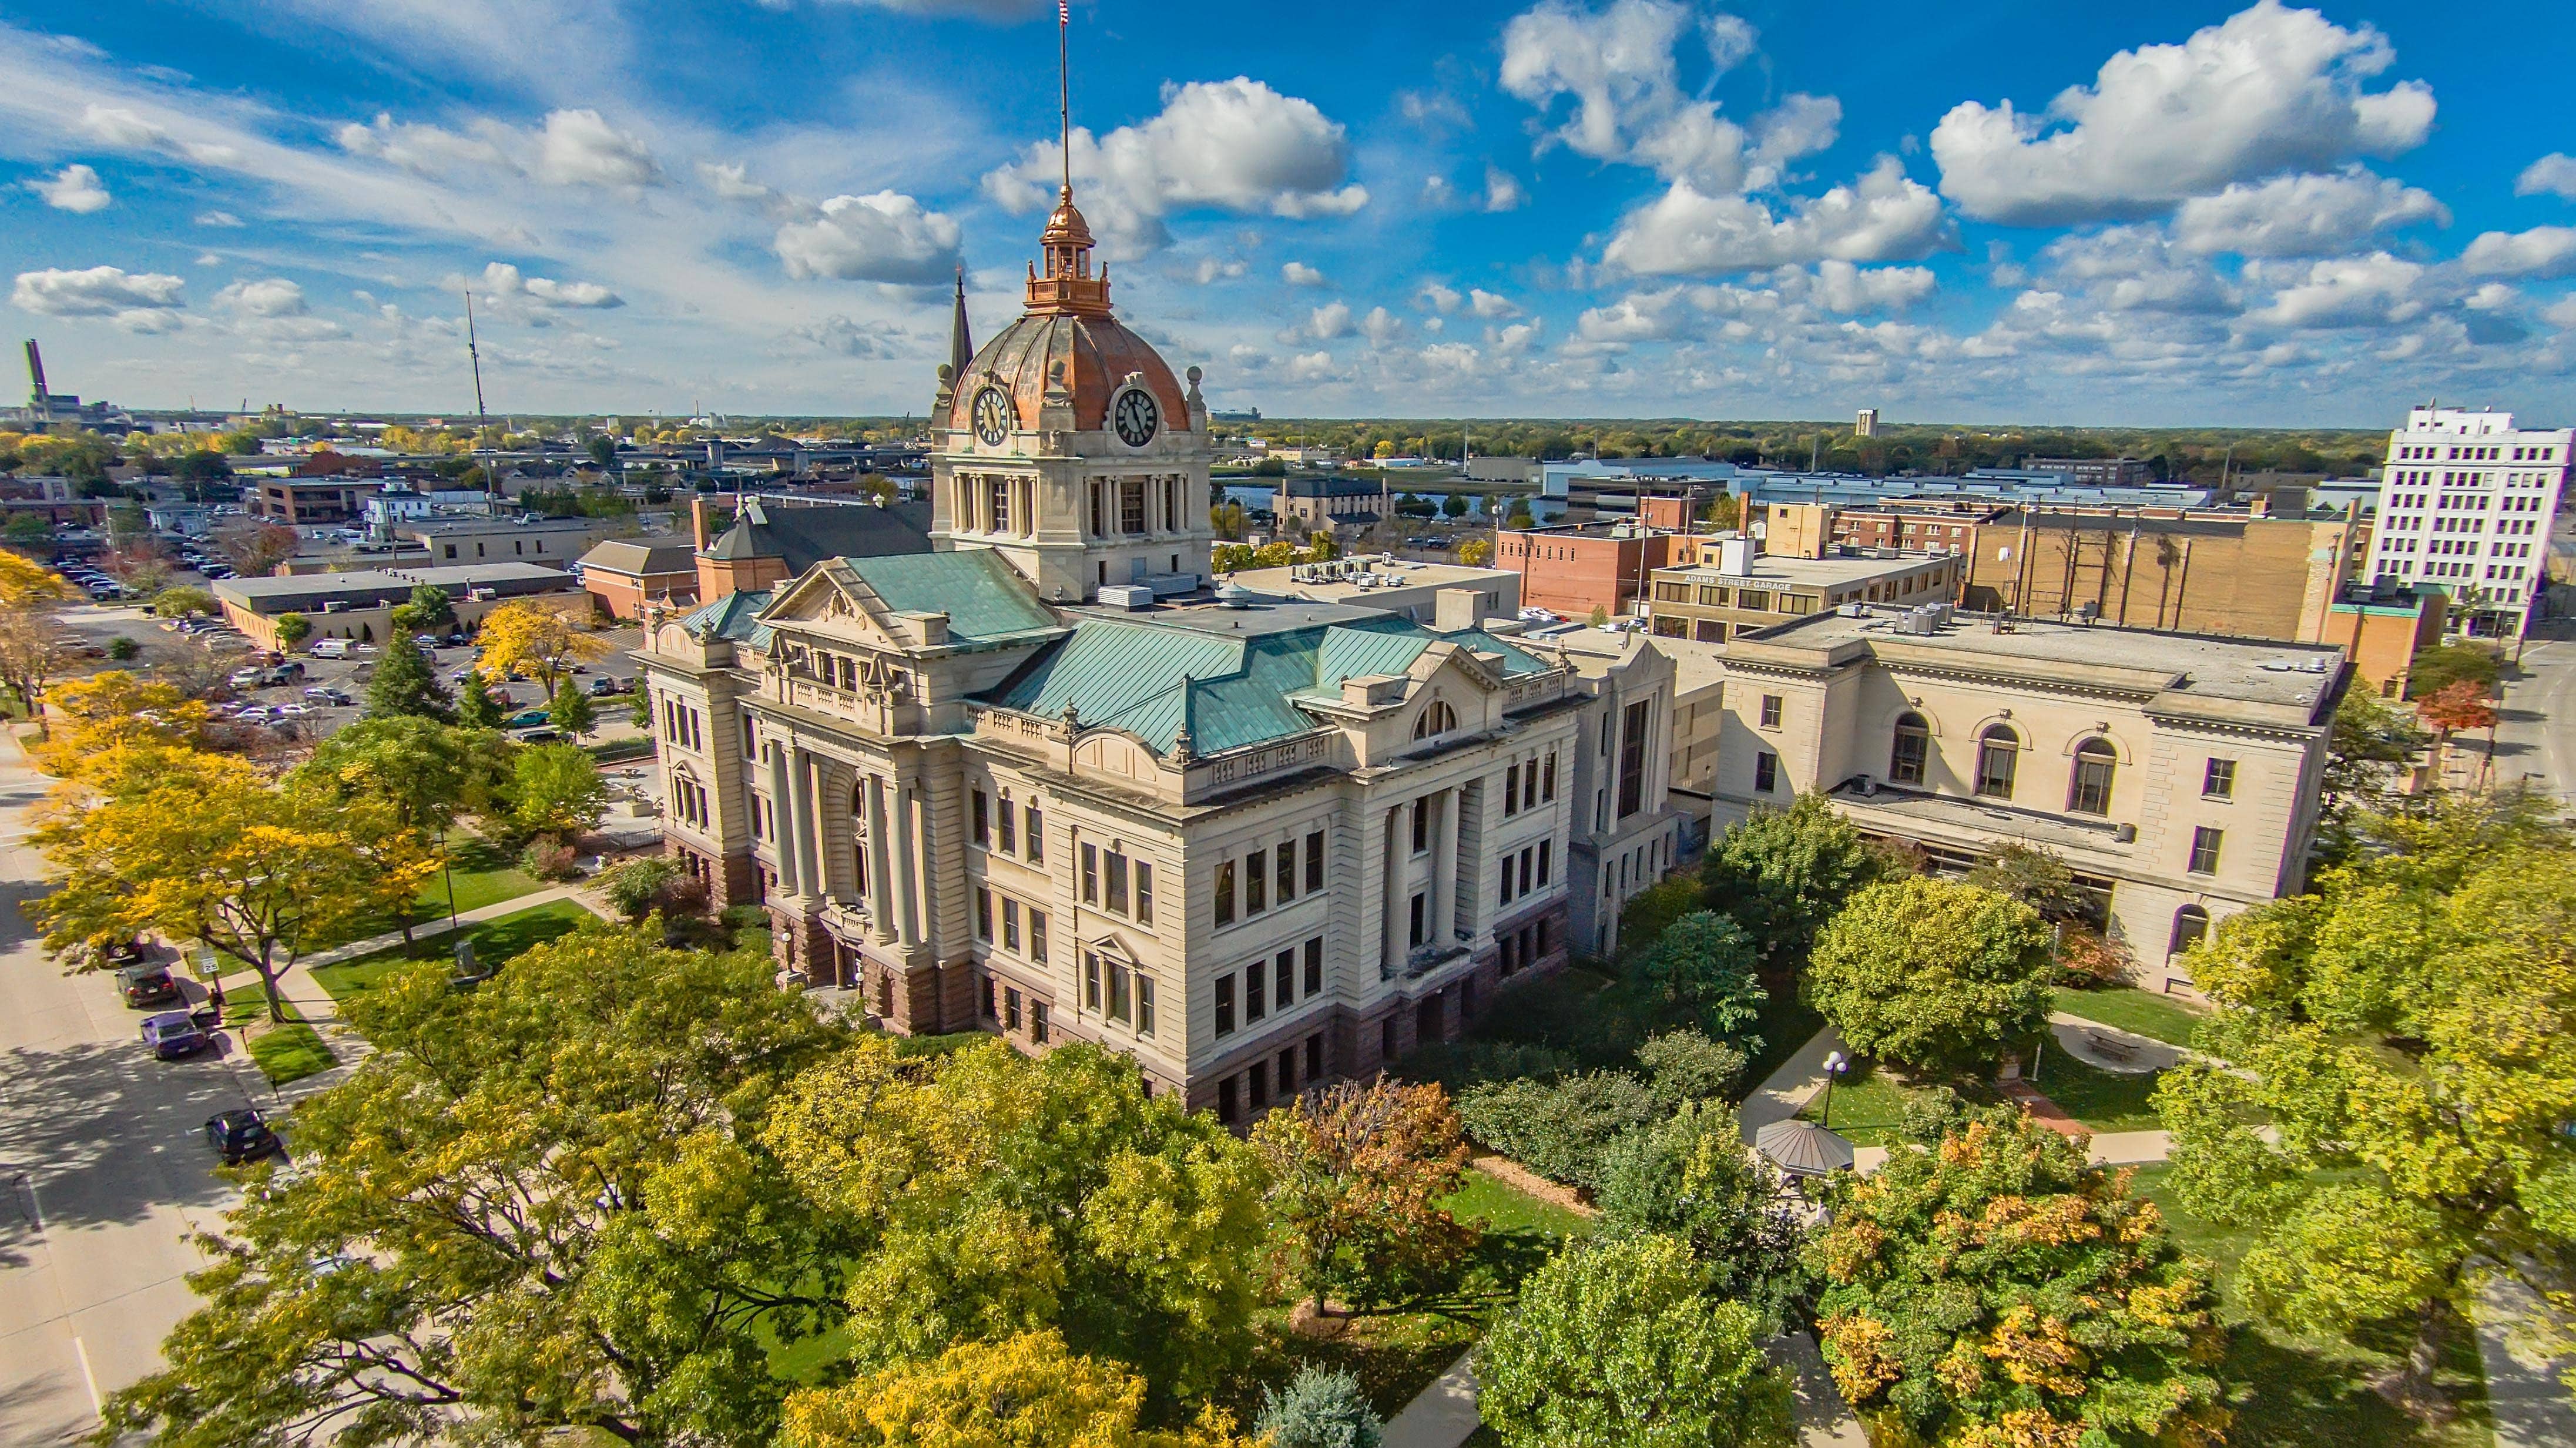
{"x": 1989, "y": 211}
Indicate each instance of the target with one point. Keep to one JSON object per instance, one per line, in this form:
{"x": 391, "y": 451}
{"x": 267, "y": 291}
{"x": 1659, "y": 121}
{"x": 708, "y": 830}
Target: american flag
{"x": 1063, "y": 12}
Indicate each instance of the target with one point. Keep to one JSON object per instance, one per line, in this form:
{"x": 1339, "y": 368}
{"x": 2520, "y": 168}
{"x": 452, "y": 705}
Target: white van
{"x": 331, "y": 649}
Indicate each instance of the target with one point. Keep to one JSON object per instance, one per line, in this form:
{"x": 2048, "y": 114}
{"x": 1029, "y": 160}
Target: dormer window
{"x": 1436, "y": 718}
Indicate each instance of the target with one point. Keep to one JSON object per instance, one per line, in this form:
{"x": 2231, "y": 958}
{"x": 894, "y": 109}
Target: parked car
{"x": 148, "y": 985}
{"x": 247, "y": 678}
{"x": 527, "y": 719}
{"x": 294, "y": 709}
{"x": 173, "y": 1034}
{"x": 331, "y": 649}
{"x": 426, "y": 641}
{"x": 602, "y": 688}
{"x": 543, "y": 734}
{"x": 255, "y": 714}
{"x": 283, "y": 674}
{"x": 241, "y": 1135}
{"x": 457, "y": 641}
{"x": 325, "y": 694}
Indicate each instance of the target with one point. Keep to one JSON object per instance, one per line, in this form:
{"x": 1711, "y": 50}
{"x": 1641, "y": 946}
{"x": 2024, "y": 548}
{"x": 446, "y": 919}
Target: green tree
{"x": 602, "y": 450}
{"x": 639, "y": 887}
{"x": 2402, "y": 1052}
{"x": 1783, "y": 873}
{"x": 429, "y": 608}
{"x": 1454, "y": 506}
{"x": 1684, "y": 1066}
{"x": 1357, "y": 1176}
{"x": 2036, "y": 876}
{"x": 406, "y": 685}
{"x": 1320, "y": 1408}
{"x": 1689, "y": 1177}
{"x": 1651, "y": 911}
{"x": 182, "y": 601}
{"x": 1006, "y": 1194}
{"x": 2000, "y": 1290}
{"x": 571, "y": 711}
{"x": 475, "y": 706}
{"x": 1617, "y": 1344}
{"x": 537, "y": 1207}
{"x": 124, "y": 650}
{"x": 555, "y": 790}
{"x": 1932, "y": 975}
{"x": 1707, "y": 962}
{"x": 2437, "y": 668}
{"x": 2371, "y": 742}
{"x": 293, "y": 629}
{"x": 28, "y": 530}
{"x": 422, "y": 770}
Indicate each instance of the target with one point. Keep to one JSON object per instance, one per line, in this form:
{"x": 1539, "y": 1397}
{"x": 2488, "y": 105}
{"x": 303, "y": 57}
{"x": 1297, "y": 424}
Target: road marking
{"x": 89, "y": 1379}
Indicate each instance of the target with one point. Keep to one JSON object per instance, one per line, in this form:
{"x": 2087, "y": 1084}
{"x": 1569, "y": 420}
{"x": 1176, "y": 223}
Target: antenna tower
{"x": 474, "y": 355}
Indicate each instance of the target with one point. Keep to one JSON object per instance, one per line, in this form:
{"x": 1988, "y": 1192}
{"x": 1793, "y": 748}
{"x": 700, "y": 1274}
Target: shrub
{"x": 123, "y": 649}
{"x": 1685, "y": 1066}
{"x": 1691, "y": 1177}
{"x": 636, "y": 888}
{"x": 1458, "y": 1065}
{"x": 549, "y": 860}
{"x": 1559, "y": 1129}
{"x": 1321, "y": 1408}
{"x": 1649, "y": 912}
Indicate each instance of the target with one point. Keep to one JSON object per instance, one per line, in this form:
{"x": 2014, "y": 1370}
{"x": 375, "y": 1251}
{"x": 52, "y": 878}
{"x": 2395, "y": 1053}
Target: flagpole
{"x": 1064, "y": 85}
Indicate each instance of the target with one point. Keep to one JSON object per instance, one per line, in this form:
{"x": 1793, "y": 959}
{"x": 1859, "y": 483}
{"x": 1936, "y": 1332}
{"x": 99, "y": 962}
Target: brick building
{"x": 1572, "y": 569}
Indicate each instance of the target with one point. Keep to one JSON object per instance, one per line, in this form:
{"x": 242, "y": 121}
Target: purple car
{"x": 173, "y": 1034}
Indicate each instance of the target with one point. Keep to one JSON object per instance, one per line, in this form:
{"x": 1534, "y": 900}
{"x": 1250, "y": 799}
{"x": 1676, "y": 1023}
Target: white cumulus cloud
{"x": 1884, "y": 216}
{"x": 2543, "y": 251}
{"x": 580, "y": 148}
{"x": 1298, "y": 274}
{"x": 882, "y": 237}
{"x": 2378, "y": 290}
{"x": 1492, "y": 306}
{"x": 134, "y": 301}
{"x": 1235, "y": 146}
{"x": 2551, "y": 175}
{"x": 271, "y": 297}
{"x": 1843, "y": 287}
{"x": 74, "y": 188}
{"x": 2302, "y": 215}
{"x": 1503, "y": 191}
{"x": 2270, "y": 90}
{"x": 506, "y": 285}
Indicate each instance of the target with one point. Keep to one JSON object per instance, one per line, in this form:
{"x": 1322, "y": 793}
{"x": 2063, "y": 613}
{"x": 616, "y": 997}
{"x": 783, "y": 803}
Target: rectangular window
{"x": 1511, "y": 791}
{"x": 1543, "y": 846}
{"x": 1225, "y": 1005}
{"x": 1010, "y": 925}
{"x": 1090, "y": 874}
{"x": 1766, "y": 772}
{"x": 1314, "y": 968}
{"x": 1256, "y": 882}
{"x": 1090, "y": 981}
{"x": 1120, "y": 998}
{"x": 1422, "y": 825}
{"x": 1505, "y": 898}
{"x": 1315, "y": 1056}
{"x": 1633, "y": 728}
{"x": 1314, "y": 861}
{"x": 1144, "y": 1004}
{"x": 983, "y": 913}
{"x": 1144, "y": 892}
{"x": 1421, "y": 909}
{"x": 2220, "y": 781}
{"x": 1225, "y": 892}
{"x": 1287, "y": 871}
{"x": 2204, "y": 850}
{"x": 1117, "y": 882}
{"x": 1037, "y": 1023}
{"x": 989, "y": 1012}
{"x": 1037, "y": 936}
{"x": 1226, "y": 1109}
{"x": 1547, "y": 778}
{"x": 1283, "y": 978}
{"x": 982, "y": 828}
{"x": 1131, "y": 505}
{"x": 1287, "y": 1070}
{"x": 1529, "y": 785}
{"x": 1770, "y": 711}
{"x": 1011, "y": 1008}
{"x": 1527, "y": 861}
{"x": 1006, "y": 830}
{"x": 1256, "y": 994}
{"x": 1259, "y": 1076}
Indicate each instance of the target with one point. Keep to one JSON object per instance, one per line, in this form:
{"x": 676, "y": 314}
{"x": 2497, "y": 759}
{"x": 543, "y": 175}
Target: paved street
{"x": 103, "y": 1170}
{"x": 2536, "y": 728}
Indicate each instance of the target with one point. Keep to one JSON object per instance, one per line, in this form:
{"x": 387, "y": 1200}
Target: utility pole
{"x": 474, "y": 355}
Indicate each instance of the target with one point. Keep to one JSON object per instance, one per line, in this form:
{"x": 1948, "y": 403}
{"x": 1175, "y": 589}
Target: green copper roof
{"x": 986, "y": 602}
{"x": 1153, "y": 676}
{"x": 730, "y": 617}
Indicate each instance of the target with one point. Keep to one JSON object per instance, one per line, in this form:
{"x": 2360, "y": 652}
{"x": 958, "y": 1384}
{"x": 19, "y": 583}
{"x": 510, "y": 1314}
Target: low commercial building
{"x": 2097, "y": 472}
{"x": 1423, "y": 592}
{"x": 1733, "y": 588}
{"x": 1573, "y": 569}
{"x": 358, "y": 605}
{"x": 627, "y": 575}
{"x": 555, "y": 542}
{"x": 302, "y": 502}
{"x": 1332, "y": 502}
{"x": 2381, "y": 628}
{"x": 2177, "y": 775}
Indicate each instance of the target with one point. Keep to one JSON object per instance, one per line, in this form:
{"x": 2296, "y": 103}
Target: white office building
{"x": 2465, "y": 504}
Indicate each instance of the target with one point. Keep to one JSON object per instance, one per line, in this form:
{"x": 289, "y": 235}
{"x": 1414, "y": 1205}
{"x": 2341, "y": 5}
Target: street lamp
{"x": 447, "y": 872}
{"x": 1835, "y": 1065}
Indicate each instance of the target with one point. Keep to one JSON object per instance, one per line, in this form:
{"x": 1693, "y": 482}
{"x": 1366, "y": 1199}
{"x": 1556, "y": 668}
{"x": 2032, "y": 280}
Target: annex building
{"x": 1040, "y": 781}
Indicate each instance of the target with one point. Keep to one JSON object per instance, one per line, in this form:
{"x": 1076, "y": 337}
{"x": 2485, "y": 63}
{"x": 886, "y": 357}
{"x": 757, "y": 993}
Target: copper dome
{"x": 1067, "y": 341}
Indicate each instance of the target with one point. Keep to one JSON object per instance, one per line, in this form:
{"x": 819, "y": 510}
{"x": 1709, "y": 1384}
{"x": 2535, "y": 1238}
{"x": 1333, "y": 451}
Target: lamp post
{"x": 448, "y": 873}
{"x": 1835, "y": 1065}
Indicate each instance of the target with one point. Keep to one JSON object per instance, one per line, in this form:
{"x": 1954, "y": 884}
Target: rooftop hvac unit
{"x": 334, "y": 606}
{"x": 1128, "y": 596}
{"x": 1921, "y": 621}
{"x": 1854, "y": 610}
{"x": 2087, "y": 611}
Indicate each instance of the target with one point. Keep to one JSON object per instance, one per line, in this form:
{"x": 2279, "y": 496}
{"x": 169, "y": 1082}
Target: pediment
{"x": 1444, "y": 662}
{"x": 831, "y": 600}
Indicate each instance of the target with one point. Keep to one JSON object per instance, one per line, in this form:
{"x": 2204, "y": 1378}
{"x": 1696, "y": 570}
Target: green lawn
{"x": 495, "y": 943}
{"x": 2102, "y": 1100}
{"x": 2298, "y": 1390}
{"x": 1503, "y": 1207}
{"x": 484, "y": 875}
{"x": 2164, "y": 1017}
{"x": 1868, "y": 1106}
{"x": 290, "y": 1050}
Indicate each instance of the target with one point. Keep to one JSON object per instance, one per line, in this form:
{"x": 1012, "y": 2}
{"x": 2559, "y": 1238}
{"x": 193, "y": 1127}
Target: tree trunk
{"x": 2411, "y": 1387}
{"x": 268, "y": 987}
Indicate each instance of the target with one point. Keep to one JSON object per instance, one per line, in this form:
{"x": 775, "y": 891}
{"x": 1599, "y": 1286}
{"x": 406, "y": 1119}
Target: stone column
{"x": 820, "y": 866}
{"x": 1444, "y": 870}
{"x": 907, "y": 877}
{"x": 782, "y": 815}
{"x": 882, "y": 923}
{"x": 1391, "y": 925}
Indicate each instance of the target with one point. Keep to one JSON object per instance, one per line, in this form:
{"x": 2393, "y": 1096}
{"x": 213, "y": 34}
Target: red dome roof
{"x": 1067, "y": 341}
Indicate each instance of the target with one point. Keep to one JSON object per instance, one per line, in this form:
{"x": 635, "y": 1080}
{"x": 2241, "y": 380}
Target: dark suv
{"x": 147, "y": 985}
{"x": 241, "y": 1135}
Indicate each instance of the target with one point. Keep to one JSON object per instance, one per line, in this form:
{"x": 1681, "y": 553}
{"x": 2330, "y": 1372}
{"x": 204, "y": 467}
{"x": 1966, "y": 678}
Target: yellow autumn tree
{"x": 537, "y": 639}
{"x": 1476, "y": 552}
{"x": 96, "y": 717}
{"x": 24, "y": 582}
{"x": 206, "y": 848}
{"x": 1027, "y": 1391}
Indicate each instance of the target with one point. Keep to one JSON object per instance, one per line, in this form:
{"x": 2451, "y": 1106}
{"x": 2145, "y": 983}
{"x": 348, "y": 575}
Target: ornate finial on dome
{"x": 1064, "y": 286}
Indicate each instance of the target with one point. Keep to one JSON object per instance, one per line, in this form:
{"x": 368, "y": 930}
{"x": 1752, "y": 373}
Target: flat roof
{"x": 2255, "y": 671}
{"x": 1279, "y": 582}
{"x": 368, "y": 586}
{"x": 1814, "y": 572}
{"x": 496, "y": 524}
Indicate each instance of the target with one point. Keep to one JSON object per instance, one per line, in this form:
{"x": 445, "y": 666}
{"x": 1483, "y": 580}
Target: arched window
{"x": 1913, "y": 748}
{"x": 2089, "y": 792}
{"x": 2190, "y": 924}
{"x": 1436, "y": 718}
{"x": 1998, "y": 750}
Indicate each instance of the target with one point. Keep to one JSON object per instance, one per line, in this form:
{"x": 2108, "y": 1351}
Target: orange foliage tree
{"x": 1358, "y": 1173}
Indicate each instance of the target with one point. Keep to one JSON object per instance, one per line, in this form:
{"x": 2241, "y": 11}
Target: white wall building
{"x": 2466, "y": 501}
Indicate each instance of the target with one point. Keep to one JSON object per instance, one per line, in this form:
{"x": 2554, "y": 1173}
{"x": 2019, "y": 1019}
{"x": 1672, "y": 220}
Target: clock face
{"x": 1136, "y": 417}
{"x": 992, "y": 416}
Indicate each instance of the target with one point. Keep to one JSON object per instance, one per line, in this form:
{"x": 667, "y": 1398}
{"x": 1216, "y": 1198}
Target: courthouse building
{"x": 1040, "y": 781}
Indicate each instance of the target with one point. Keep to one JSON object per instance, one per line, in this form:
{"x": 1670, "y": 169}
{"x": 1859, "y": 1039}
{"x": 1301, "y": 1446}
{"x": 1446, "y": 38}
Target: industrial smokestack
{"x": 36, "y": 397}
